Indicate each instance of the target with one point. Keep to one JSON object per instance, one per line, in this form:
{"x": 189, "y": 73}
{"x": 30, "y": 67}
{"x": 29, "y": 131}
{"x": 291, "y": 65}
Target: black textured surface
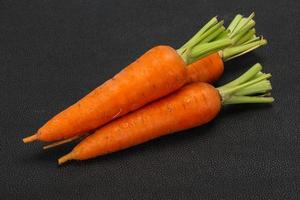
{"x": 54, "y": 52}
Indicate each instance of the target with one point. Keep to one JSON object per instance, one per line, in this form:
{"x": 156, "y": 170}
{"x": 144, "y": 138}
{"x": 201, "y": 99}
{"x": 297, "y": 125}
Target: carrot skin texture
{"x": 191, "y": 106}
{"x": 157, "y": 73}
{"x": 208, "y": 69}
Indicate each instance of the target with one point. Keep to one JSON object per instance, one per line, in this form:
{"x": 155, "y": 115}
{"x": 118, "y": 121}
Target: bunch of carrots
{"x": 164, "y": 91}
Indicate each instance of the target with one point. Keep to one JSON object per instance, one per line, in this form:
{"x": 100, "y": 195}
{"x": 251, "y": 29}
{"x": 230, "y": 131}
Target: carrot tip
{"x": 30, "y": 138}
{"x": 65, "y": 158}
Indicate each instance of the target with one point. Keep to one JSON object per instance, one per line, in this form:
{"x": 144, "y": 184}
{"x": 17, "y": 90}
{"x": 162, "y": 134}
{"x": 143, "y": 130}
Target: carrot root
{"x": 55, "y": 144}
{"x": 65, "y": 158}
{"x": 30, "y": 138}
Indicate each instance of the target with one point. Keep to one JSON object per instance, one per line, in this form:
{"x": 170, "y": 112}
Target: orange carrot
{"x": 157, "y": 73}
{"x": 198, "y": 71}
{"x": 191, "y": 106}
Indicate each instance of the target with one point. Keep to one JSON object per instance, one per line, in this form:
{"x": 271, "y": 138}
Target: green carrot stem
{"x": 254, "y": 39}
{"x": 201, "y": 51}
{"x": 184, "y": 55}
{"x": 213, "y": 35}
{"x": 241, "y": 24}
{"x": 223, "y": 35}
{"x": 244, "y": 28}
{"x": 266, "y": 94}
{"x": 257, "y": 75}
{"x": 243, "y": 31}
{"x": 207, "y": 26}
{"x": 210, "y": 31}
{"x": 244, "y": 77}
{"x": 234, "y": 22}
{"x": 198, "y": 50}
{"x": 204, "y": 54}
{"x": 260, "y": 87}
{"x": 232, "y": 90}
{"x": 238, "y": 91}
{"x": 248, "y": 99}
{"x": 233, "y": 52}
{"x": 246, "y": 37}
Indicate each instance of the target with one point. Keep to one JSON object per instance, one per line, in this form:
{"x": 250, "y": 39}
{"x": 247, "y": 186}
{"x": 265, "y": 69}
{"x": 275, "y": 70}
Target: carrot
{"x": 210, "y": 68}
{"x": 155, "y": 74}
{"x": 159, "y": 72}
{"x": 191, "y": 106}
{"x": 198, "y": 71}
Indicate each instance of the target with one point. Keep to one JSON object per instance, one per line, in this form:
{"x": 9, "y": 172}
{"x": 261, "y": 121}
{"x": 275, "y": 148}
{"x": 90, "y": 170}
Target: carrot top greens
{"x": 251, "y": 87}
{"x": 238, "y": 39}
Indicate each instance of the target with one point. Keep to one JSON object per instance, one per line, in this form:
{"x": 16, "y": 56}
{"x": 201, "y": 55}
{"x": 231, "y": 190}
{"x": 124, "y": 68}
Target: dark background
{"x": 54, "y": 52}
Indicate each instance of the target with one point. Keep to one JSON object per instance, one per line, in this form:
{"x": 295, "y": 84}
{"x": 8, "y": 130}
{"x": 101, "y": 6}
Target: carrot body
{"x": 158, "y": 72}
{"x": 191, "y": 106}
{"x": 155, "y": 74}
{"x": 208, "y": 69}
